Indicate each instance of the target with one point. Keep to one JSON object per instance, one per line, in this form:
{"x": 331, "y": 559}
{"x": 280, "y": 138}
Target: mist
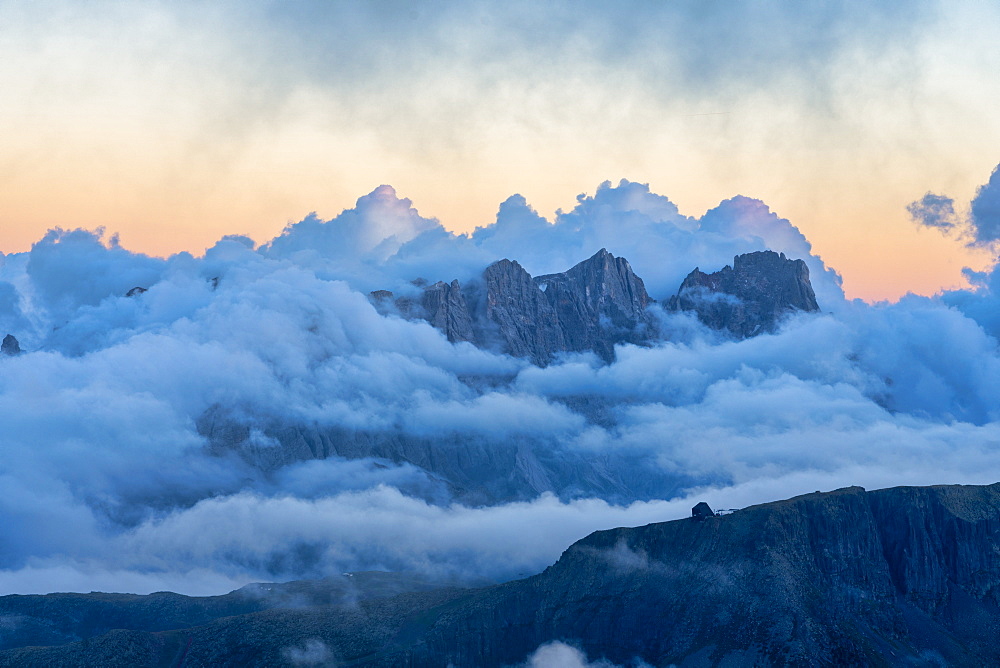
{"x": 113, "y": 475}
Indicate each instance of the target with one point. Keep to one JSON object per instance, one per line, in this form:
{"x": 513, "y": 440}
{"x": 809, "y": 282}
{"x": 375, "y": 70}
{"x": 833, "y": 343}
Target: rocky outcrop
{"x": 751, "y": 296}
{"x": 597, "y": 304}
{"x": 441, "y": 304}
{"x": 521, "y": 314}
{"x": 908, "y": 576}
{"x": 445, "y": 308}
{"x": 10, "y": 346}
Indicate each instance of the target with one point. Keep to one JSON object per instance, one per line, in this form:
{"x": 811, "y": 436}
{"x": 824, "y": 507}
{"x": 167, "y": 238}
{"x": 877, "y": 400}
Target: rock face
{"x": 520, "y": 314}
{"x": 750, "y": 297}
{"x": 473, "y": 471}
{"x": 446, "y": 309}
{"x": 598, "y": 303}
{"x": 10, "y": 346}
{"x": 908, "y": 576}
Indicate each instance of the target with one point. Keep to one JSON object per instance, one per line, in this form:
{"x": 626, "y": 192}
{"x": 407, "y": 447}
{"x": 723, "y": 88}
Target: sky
{"x": 173, "y": 124}
{"x": 162, "y": 440}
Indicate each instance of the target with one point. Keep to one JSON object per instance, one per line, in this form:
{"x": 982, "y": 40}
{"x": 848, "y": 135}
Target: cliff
{"x": 598, "y": 303}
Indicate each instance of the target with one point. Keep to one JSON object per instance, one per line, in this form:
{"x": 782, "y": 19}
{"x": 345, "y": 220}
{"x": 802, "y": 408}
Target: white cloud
{"x": 557, "y": 654}
{"x": 106, "y": 474}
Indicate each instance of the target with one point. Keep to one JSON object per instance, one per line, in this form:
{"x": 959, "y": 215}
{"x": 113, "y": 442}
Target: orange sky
{"x": 173, "y": 125}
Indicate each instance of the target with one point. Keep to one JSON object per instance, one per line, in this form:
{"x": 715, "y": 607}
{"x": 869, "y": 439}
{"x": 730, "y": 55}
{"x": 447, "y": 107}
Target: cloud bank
{"x": 146, "y": 439}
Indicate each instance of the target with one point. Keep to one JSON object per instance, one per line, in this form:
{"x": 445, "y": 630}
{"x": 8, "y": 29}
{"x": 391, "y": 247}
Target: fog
{"x": 108, "y": 480}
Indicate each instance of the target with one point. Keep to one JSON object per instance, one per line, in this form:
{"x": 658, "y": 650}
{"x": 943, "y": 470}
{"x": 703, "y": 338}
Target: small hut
{"x": 701, "y": 511}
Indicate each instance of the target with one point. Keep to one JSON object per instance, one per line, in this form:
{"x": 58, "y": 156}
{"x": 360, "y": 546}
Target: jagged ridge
{"x": 591, "y": 307}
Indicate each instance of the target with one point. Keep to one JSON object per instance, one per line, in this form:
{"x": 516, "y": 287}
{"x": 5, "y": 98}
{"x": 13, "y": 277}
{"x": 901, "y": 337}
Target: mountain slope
{"x": 903, "y": 576}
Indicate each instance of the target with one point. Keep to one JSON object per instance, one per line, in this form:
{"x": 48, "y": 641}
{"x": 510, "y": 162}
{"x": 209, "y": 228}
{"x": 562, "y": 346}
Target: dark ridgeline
{"x": 750, "y": 297}
{"x": 908, "y": 576}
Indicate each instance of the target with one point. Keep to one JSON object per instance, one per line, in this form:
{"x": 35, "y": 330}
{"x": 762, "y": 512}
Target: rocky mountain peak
{"x": 10, "y": 346}
{"x": 521, "y": 313}
{"x": 591, "y": 307}
{"x": 599, "y": 303}
{"x": 751, "y": 296}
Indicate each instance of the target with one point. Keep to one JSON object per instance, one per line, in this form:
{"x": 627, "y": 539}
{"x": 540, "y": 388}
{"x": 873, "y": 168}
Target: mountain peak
{"x": 10, "y": 346}
{"x": 751, "y": 296}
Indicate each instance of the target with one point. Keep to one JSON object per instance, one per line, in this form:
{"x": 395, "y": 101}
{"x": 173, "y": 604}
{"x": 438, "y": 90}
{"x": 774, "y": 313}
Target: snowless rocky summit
{"x": 751, "y": 296}
{"x": 601, "y": 302}
{"x": 593, "y": 306}
{"x": 10, "y": 346}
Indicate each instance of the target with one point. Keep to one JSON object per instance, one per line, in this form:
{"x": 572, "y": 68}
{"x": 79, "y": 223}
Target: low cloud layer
{"x": 110, "y": 478}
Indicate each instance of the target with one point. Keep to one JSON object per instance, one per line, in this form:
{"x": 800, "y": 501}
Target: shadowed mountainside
{"x": 902, "y": 576}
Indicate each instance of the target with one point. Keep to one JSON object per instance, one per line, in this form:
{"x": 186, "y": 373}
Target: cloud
{"x": 312, "y": 652}
{"x": 985, "y": 214}
{"x": 700, "y": 46}
{"x": 557, "y": 654}
{"x": 936, "y": 211}
{"x": 252, "y": 416}
{"x": 979, "y": 227}
{"x": 627, "y": 219}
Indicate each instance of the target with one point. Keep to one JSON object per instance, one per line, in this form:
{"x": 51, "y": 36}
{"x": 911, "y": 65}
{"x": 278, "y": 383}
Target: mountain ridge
{"x": 595, "y": 305}
{"x": 900, "y": 576}
{"x": 600, "y": 302}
